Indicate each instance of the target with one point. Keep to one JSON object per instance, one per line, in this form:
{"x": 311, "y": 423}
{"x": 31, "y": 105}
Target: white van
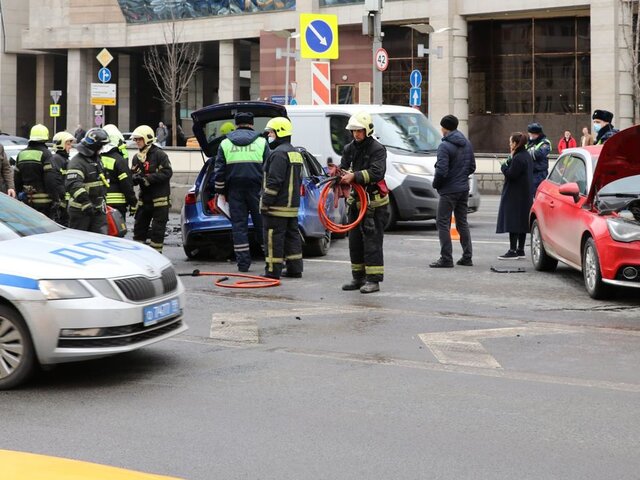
{"x": 411, "y": 142}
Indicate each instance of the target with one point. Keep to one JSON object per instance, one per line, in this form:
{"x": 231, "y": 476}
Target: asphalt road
{"x": 458, "y": 373}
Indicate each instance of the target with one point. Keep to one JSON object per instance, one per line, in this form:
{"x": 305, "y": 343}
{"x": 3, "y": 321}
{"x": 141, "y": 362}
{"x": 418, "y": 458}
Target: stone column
{"x": 79, "y": 109}
{"x": 124, "y": 93}
{"x": 229, "y": 89}
{"x": 44, "y": 85}
{"x": 254, "y": 89}
{"x": 8, "y": 92}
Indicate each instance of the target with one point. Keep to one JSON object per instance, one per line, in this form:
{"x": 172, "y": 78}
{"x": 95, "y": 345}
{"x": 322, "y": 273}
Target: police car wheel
{"x": 17, "y": 355}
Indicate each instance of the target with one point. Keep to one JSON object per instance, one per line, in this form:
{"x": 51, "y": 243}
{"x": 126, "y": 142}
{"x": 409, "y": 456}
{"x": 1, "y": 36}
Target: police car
{"x": 67, "y": 295}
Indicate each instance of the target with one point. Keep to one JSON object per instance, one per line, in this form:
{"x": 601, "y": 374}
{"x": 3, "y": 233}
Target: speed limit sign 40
{"x": 382, "y": 59}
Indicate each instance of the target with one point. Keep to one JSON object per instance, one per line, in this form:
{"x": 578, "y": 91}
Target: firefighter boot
{"x": 354, "y": 284}
{"x": 370, "y": 287}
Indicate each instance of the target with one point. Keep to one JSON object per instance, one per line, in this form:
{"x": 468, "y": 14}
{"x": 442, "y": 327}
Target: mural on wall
{"x": 328, "y": 3}
{"x": 142, "y": 11}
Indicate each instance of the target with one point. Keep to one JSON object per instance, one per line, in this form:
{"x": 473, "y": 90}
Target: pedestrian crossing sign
{"x": 54, "y": 110}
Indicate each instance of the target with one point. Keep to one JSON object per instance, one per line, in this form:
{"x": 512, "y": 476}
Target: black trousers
{"x": 458, "y": 204}
{"x": 89, "y": 222}
{"x": 157, "y": 217}
{"x": 242, "y": 202}
{"x": 365, "y": 244}
{"x": 282, "y": 245}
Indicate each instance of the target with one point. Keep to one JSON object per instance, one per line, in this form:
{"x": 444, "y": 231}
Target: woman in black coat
{"x": 517, "y": 196}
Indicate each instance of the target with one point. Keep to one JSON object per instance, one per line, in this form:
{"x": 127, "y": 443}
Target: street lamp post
{"x": 372, "y": 25}
{"x": 287, "y": 54}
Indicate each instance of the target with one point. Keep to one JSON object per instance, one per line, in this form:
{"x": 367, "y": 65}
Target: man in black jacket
{"x": 238, "y": 176}
{"x": 366, "y": 160}
{"x": 280, "y": 202}
{"x": 116, "y": 166}
{"x": 56, "y": 175}
{"x": 455, "y": 162}
{"x": 602, "y": 126}
{"x": 31, "y": 164}
{"x": 152, "y": 172}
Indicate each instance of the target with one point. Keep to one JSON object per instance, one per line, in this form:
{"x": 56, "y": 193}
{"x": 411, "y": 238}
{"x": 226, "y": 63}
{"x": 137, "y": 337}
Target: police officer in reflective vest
{"x": 31, "y": 164}
{"x": 280, "y": 202}
{"x": 539, "y": 148}
{"x": 116, "y": 166}
{"x": 238, "y": 176}
{"x": 151, "y": 170}
{"x": 87, "y": 184}
{"x": 367, "y": 158}
{"x": 62, "y": 142}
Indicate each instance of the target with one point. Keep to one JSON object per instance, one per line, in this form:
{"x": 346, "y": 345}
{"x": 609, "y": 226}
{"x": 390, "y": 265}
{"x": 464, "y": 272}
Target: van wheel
{"x": 17, "y": 355}
{"x": 317, "y": 247}
{"x": 392, "y": 219}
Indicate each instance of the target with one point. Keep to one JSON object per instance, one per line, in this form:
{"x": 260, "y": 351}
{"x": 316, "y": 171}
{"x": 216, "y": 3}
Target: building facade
{"x": 496, "y": 64}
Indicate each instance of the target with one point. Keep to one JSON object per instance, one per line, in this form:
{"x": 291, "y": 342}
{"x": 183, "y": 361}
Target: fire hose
{"x": 329, "y": 185}
{"x": 252, "y": 281}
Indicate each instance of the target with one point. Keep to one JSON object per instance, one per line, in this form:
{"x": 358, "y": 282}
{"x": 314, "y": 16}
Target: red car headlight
{"x": 623, "y": 230}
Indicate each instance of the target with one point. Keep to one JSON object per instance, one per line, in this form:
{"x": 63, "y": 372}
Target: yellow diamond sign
{"x": 104, "y": 57}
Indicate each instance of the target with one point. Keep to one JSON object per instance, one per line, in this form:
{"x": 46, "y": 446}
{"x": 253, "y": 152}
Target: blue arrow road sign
{"x": 319, "y": 36}
{"x": 104, "y": 74}
{"x": 415, "y": 78}
{"x": 415, "y": 97}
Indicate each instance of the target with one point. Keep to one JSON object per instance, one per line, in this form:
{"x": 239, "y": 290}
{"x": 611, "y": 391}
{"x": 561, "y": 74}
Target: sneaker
{"x": 465, "y": 262}
{"x": 353, "y": 285}
{"x": 521, "y": 254}
{"x": 510, "y": 255}
{"x": 440, "y": 263}
{"x": 370, "y": 287}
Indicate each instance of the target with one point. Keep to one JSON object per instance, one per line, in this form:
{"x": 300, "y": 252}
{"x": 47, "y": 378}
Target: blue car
{"x": 207, "y": 233}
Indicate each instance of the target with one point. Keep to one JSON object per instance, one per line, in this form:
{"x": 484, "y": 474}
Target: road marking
{"x": 234, "y": 329}
{"x": 489, "y": 242}
{"x": 326, "y": 261}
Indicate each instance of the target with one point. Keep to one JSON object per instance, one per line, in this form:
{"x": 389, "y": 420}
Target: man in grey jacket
{"x": 6, "y": 175}
{"x": 455, "y": 162}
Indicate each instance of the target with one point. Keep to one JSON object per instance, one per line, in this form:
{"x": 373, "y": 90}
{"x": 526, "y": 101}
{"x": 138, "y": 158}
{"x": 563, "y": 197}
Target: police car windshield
{"x": 19, "y": 220}
{"x": 411, "y": 132}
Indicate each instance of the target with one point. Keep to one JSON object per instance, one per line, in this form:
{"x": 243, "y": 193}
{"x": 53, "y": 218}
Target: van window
{"x": 411, "y": 132}
{"x": 340, "y": 136}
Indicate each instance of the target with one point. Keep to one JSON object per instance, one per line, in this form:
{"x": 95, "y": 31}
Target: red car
{"x": 586, "y": 214}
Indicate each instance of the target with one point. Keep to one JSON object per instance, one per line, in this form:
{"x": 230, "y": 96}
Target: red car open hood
{"x": 619, "y": 158}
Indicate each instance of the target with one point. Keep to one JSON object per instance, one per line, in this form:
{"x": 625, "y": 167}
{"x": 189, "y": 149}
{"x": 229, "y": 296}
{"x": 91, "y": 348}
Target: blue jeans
{"x": 458, "y": 204}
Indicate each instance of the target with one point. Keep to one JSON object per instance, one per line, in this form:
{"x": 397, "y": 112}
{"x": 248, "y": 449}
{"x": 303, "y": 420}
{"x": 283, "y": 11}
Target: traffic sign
{"x": 319, "y": 36}
{"x": 54, "y": 110}
{"x": 104, "y": 75}
{"x": 415, "y": 78}
{"x": 103, "y": 94}
{"x": 415, "y": 96}
{"x": 293, "y": 102}
{"x": 381, "y": 59}
{"x": 104, "y": 57}
{"x": 98, "y": 113}
{"x": 55, "y": 95}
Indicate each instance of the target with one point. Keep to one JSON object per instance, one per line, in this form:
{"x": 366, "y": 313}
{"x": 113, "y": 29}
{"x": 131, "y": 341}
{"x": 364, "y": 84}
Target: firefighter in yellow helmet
{"x": 151, "y": 172}
{"x": 31, "y": 165}
{"x": 62, "y": 142}
{"x": 120, "y": 192}
{"x": 366, "y": 160}
{"x": 280, "y": 202}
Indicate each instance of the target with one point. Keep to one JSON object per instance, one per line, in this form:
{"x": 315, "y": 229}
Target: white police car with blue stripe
{"x": 67, "y": 295}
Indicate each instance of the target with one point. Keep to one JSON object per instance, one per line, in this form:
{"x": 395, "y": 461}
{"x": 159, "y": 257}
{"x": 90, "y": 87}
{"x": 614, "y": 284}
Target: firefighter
{"x": 151, "y": 171}
{"x": 238, "y": 176}
{"x": 30, "y": 167}
{"x": 87, "y": 184}
{"x": 57, "y": 174}
{"x": 120, "y": 192}
{"x": 366, "y": 158}
{"x": 280, "y": 202}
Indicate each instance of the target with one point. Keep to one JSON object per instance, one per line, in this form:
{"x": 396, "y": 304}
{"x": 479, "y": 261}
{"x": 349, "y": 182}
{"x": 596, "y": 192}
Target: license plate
{"x": 155, "y": 313}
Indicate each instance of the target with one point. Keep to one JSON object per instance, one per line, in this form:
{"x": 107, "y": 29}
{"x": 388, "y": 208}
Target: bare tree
{"x": 171, "y": 67}
{"x": 630, "y": 21}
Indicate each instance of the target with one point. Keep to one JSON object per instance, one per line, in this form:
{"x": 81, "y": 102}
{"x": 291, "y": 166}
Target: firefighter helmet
{"x": 361, "y": 121}
{"x": 60, "y": 139}
{"x": 281, "y": 126}
{"x": 95, "y": 139}
{"x": 226, "y": 128}
{"x": 39, "y": 133}
{"x": 115, "y": 135}
{"x": 146, "y": 133}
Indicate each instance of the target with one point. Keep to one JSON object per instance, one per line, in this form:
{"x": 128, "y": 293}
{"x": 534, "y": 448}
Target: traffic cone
{"x": 454, "y": 231}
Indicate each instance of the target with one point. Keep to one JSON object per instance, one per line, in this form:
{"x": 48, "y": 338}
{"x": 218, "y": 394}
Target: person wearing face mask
{"x": 280, "y": 202}
{"x": 602, "y": 126}
{"x": 539, "y": 147}
{"x": 567, "y": 141}
{"x": 237, "y": 175}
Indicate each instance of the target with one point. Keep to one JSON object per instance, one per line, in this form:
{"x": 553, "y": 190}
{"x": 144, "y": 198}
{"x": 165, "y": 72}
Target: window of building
{"x": 530, "y": 66}
{"x": 344, "y": 93}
